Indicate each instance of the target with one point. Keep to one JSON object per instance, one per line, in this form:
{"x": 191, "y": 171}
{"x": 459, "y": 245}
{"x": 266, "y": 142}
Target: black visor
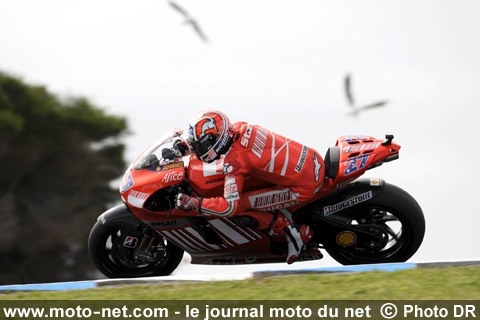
{"x": 204, "y": 144}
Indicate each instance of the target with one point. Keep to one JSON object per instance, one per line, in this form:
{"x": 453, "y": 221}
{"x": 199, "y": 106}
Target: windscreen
{"x": 161, "y": 152}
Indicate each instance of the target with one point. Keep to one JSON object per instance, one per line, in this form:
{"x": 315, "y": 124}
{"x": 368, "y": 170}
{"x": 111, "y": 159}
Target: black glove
{"x": 180, "y": 148}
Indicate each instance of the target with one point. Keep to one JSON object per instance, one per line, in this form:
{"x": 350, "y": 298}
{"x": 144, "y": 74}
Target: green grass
{"x": 459, "y": 283}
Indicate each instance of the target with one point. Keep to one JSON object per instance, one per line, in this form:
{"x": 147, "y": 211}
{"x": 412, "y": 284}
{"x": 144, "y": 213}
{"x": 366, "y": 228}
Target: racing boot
{"x": 280, "y": 228}
{"x": 297, "y": 237}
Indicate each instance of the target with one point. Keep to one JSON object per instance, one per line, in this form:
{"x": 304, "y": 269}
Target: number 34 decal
{"x": 355, "y": 164}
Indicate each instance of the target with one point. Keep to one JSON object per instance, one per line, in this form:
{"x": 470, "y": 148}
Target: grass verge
{"x": 459, "y": 283}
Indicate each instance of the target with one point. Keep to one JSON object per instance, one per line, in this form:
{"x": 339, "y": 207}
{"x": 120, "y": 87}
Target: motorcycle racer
{"x": 295, "y": 172}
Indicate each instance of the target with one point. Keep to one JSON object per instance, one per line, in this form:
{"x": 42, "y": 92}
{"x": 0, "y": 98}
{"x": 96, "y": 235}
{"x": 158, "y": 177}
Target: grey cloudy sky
{"x": 280, "y": 64}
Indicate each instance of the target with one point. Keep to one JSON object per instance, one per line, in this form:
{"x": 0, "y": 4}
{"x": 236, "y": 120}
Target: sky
{"x": 280, "y": 64}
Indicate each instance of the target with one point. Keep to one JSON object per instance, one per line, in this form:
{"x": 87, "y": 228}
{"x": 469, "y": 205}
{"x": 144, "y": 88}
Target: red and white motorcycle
{"x": 356, "y": 221}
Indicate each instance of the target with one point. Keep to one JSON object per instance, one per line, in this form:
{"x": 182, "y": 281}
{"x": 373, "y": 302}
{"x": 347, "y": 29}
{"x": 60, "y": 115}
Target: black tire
{"x": 106, "y": 246}
{"x": 390, "y": 206}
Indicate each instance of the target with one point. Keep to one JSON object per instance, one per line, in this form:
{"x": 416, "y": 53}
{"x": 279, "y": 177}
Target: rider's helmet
{"x": 210, "y": 134}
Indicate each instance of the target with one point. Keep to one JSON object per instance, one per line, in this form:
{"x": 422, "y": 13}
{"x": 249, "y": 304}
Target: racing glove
{"x": 181, "y": 148}
{"x": 187, "y": 203}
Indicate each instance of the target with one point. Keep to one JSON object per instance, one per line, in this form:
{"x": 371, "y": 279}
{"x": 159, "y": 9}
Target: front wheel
{"x": 401, "y": 223}
{"x": 129, "y": 249}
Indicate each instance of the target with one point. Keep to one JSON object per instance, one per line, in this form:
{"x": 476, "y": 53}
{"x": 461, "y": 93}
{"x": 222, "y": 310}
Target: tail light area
{"x": 357, "y": 152}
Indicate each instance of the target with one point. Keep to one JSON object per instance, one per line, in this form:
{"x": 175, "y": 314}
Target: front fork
{"x": 147, "y": 250}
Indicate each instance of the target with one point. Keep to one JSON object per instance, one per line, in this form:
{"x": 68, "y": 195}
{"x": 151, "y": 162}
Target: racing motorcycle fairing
{"x": 150, "y": 184}
{"x": 222, "y": 241}
{"x": 352, "y": 156}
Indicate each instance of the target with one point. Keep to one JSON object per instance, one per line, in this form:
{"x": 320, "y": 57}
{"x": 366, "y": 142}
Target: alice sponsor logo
{"x": 230, "y": 191}
{"x": 173, "y": 177}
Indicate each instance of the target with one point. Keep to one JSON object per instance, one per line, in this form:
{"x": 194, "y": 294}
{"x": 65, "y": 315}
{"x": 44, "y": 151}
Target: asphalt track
{"x": 81, "y": 285}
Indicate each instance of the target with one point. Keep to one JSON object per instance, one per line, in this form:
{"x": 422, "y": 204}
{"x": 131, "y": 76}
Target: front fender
{"x": 118, "y": 213}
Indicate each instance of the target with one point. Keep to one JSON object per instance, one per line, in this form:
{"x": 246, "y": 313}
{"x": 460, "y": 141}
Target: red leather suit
{"x": 295, "y": 172}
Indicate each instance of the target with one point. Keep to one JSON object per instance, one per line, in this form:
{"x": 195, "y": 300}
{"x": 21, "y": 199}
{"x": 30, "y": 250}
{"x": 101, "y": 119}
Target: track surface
{"x": 237, "y": 276}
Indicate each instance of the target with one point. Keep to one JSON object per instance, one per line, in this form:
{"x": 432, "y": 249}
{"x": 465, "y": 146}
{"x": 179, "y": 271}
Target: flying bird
{"x": 354, "y": 109}
{"x": 189, "y": 20}
{"x": 348, "y": 90}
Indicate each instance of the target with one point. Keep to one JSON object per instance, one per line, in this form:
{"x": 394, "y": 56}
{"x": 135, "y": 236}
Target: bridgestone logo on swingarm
{"x": 347, "y": 203}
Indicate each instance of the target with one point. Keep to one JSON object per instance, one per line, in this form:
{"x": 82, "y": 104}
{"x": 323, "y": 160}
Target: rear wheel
{"x": 398, "y": 221}
{"x": 127, "y": 249}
